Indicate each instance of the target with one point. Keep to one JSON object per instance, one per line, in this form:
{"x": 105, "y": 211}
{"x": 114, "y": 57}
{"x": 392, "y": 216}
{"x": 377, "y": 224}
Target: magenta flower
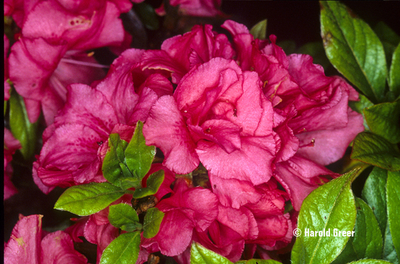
{"x": 55, "y": 35}
{"x": 6, "y": 84}
{"x": 75, "y": 145}
{"x": 188, "y": 209}
{"x": 28, "y": 244}
{"x": 223, "y": 120}
{"x": 10, "y": 146}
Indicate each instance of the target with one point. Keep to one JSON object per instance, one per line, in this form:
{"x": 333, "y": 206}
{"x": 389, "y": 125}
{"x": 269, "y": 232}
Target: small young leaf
{"x": 354, "y": 49}
{"x": 89, "y": 198}
{"x": 138, "y": 155}
{"x": 202, "y": 255}
{"x": 393, "y": 207}
{"x": 153, "y": 183}
{"x": 259, "y": 30}
{"x": 330, "y": 206}
{"x": 21, "y": 128}
{"x": 111, "y": 165}
{"x": 152, "y": 222}
{"x": 367, "y": 242}
{"x": 374, "y": 194}
{"x": 125, "y": 217}
{"x": 383, "y": 119}
{"x": 122, "y": 250}
{"x": 394, "y": 73}
{"x": 376, "y": 150}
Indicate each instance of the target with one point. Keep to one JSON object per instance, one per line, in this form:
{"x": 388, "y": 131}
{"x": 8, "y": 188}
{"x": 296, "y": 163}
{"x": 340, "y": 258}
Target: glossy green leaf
{"x": 112, "y": 170}
{"x": 328, "y": 208}
{"x": 259, "y": 30}
{"x": 21, "y": 128}
{"x": 122, "y": 250}
{"x": 369, "y": 261}
{"x": 153, "y": 183}
{"x": 376, "y": 150}
{"x": 383, "y": 119}
{"x": 389, "y": 251}
{"x": 393, "y": 207}
{"x": 152, "y": 222}
{"x": 394, "y": 73}
{"x": 258, "y": 261}
{"x": 89, "y": 198}
{"x": 138, "y": 155}
{"x": 348, "y": 254}
{"x": 359, "y": 107}
{"x": 354, "y": 49}
{"x": 125, "y": 217}
{"x": 374, "y": 194}
{"x": 367, "y": 242}
{"x": 202, "y": 255}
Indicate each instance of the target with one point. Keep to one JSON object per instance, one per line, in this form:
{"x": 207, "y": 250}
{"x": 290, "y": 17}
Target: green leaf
{"x": 89, "y": 198}
{"x": 394, "y": 73}
{"x": 152, "y": 222}
{"x": 376, "y": 150}
{"x": 153, "y": 184}
{"x": 393, "y": 207}
{"x": 21, "y": 128}
{"x": 288, "y": 46}
{"x": 369, "y": 261}
{"x": 112, "y": 170}
{"x": 259, "y": 30}
{"x": 389, "y": 251}
{"x": 374, "y": 194}
{"x": 354, "y": 49}
{"x": 383, "y": 119}
{"x": 328, "y": 208}
{"x": 201, "y": 255}
{"x": 122, "y": 250}
{"x": 348, "y": 254}
{"x": 258, "y": 261}
{"x": 125, "y": 217}
{"x": 138, "y": 155}
{"x": 367, "y": 242}
{"x": 359, "y": 107}
{"x": 147, "y": 15}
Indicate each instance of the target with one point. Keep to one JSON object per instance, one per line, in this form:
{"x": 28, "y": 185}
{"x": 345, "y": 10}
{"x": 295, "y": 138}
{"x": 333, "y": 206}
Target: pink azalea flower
{"x": 203, "y": 8}
{"x": 181, "y": 53}
{"x": 10, "y": 146}
{"x": 52, "y": 49}
{"x": 312, "y": 117}
{"x": 188, "y": 209}
{"x": 223, "y": 119}
{"x": 6, "y": 84}
{"x": 76, "y": 143}
{"x": 28, "y": 244}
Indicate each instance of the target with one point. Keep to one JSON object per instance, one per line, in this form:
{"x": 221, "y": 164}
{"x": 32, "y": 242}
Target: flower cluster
{"x": 260, "y": 124}
{"x": 263, "y": 125}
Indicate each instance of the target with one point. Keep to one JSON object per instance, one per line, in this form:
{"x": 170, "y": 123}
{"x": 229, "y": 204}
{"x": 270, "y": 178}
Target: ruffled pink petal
{"x": 166, "y": 129}
{"x": 206, "y": 8}
{"x": 300, "y": 177}
{"x": 234, "y": 193}
{"x": 24, "y": 244}
{"x": 332, "y": 143}
{"x": 58, "y": 247}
